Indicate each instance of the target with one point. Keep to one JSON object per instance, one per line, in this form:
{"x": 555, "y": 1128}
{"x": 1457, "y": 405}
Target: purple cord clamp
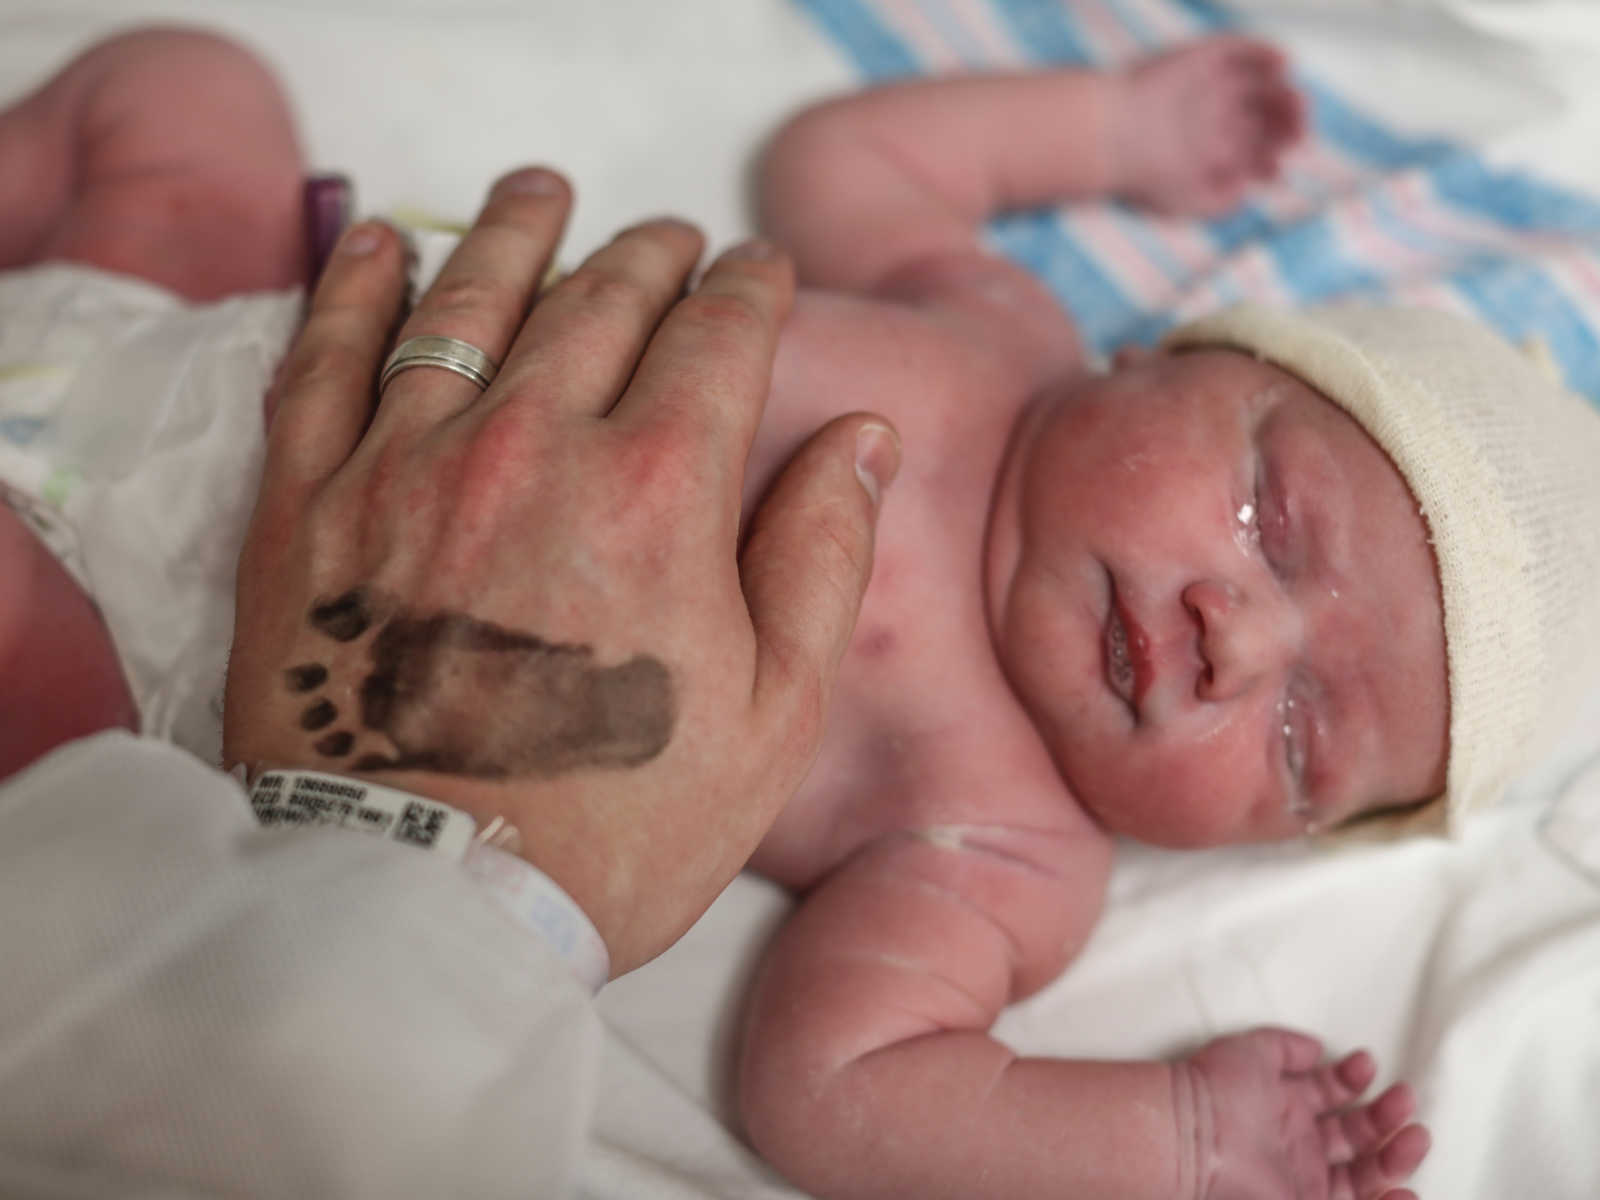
{"x": 327, "y": 200}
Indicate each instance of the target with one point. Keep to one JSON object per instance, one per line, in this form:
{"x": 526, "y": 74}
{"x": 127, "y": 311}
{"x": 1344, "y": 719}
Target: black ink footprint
{"x": 454, "y": 694}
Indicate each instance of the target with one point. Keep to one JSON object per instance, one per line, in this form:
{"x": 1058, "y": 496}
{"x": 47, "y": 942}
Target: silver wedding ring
{"x": 450, "y": 353}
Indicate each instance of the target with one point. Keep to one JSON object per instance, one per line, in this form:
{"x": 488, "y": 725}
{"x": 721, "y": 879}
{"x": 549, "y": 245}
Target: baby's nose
{"x": 1244, "y": 637}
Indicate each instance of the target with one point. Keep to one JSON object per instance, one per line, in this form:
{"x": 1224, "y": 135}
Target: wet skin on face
{"x": 1216, "y": 596}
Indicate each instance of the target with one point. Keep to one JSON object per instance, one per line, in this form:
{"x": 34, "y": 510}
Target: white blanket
{"x": 1472, "y": 969}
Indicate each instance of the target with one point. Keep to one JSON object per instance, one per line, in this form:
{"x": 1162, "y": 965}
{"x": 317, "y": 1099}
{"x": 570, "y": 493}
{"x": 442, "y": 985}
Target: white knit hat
{"x": 1505, "y": 466}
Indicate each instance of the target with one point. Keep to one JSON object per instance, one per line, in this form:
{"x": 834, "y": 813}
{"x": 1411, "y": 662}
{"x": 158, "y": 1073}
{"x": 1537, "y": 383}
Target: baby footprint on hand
{"x": 444, "y": 691}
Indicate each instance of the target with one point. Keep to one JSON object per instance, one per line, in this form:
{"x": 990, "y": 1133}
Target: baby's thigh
{"x": 59, "y": 674}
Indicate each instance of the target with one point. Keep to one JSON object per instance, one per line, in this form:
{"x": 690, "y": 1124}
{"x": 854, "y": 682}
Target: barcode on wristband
{"x": 308, "y": 798}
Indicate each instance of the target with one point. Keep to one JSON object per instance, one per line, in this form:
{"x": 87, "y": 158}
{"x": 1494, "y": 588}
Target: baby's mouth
{"x": 1126, "y": 654}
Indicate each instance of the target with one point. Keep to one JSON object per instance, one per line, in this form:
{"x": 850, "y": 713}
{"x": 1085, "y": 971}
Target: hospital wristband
{"x": 303, "y": 798}
{"x": 298, "y": 798}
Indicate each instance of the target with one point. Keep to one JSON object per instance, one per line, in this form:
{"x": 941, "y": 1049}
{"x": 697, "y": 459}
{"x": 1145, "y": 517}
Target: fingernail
{"x": 531, "y": 181}
{"x": 877, "y": 459}
{"x": 361, "y": 239}
{"x": 753, "y": 250}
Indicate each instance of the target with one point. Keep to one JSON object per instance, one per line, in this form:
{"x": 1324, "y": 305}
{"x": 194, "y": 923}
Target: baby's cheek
{"x": 1185, "y": 797}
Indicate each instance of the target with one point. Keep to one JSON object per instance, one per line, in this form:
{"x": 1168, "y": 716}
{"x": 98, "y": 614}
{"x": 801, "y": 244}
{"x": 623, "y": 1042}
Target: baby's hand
{"x": 1194, "y": 127}
{"x": 1270, "y": 1119}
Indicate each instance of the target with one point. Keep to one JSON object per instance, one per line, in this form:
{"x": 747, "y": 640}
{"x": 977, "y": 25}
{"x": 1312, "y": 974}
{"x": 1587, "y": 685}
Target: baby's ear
{"x": 1131, "y": 356}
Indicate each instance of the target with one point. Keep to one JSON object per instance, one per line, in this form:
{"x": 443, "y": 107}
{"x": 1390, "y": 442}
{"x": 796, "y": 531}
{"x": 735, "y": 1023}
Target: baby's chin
{"x": 1182, "y": 823}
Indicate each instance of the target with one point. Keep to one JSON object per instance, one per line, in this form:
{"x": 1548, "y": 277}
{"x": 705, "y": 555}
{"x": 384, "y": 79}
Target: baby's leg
{"x": 59, "y": 676}
{"x": 167, "y": 154}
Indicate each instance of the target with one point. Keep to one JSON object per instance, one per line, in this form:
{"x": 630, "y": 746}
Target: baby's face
{"x": 1216, "y": 597}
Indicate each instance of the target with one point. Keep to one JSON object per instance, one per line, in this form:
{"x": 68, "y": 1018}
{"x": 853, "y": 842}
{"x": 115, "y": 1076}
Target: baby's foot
{"x": 1271, "y": 1119}
{"x": 1195, "y": 127}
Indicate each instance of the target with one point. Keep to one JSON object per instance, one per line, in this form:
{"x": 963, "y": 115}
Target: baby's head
{"x": 1295, "y": 570}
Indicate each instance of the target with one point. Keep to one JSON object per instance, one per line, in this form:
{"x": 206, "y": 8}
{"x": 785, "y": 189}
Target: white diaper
{"x": 131, "y": 438}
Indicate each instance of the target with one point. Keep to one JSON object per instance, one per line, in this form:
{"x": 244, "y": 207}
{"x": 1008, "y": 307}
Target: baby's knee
{"x": 188, "y": 84}
{"x": 180, "y": 54}
{"x": 186, "y": 165}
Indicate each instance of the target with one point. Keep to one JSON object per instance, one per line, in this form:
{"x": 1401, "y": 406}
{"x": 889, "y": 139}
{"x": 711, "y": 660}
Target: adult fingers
{"x": 324, "y": 390}
{"x": 708, "y": 368}
{"x": 806, "y": 564}
{"x": 481, "y": 295}
{"x": 579, "y": 348}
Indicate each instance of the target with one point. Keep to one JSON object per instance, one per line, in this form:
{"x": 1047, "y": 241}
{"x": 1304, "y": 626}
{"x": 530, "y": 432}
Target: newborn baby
{"x": 1193, "y": 601}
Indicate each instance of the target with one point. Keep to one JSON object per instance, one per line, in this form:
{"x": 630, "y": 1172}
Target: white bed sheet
{"x": 1472, "y": 969}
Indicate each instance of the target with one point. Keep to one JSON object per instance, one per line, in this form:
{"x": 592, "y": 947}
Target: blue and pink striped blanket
{"x": 1358, "y": 211}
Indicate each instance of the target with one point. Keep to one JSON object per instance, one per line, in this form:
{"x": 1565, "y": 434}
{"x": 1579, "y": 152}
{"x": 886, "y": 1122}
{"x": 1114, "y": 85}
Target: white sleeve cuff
{"x": 532, "y": 898}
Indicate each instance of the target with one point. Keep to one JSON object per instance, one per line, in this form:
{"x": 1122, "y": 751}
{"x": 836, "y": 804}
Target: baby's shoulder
{"x": 997, "y": 303}
{"x": 969, "y": 316}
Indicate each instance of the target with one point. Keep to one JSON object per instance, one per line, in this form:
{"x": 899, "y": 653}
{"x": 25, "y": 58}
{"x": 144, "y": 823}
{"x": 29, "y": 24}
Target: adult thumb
{"x": 806, "y": 562}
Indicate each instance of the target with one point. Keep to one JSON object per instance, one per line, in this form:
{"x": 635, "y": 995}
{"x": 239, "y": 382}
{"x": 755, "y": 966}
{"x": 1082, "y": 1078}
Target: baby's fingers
{"x": 1333, "y": 1086}
{"x": 1355, "y": 1131}
{"x": 1279, "y": 116}
{"x": 1373, "y": 1176}
{"x": 1235, "y": 55}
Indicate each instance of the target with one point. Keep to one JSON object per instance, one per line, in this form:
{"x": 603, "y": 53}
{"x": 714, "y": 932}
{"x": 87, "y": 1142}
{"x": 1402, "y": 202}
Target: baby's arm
{"x": 868, "y": 1069}
{"x": 167, "y": 154}
{"x": 861, "y": 186}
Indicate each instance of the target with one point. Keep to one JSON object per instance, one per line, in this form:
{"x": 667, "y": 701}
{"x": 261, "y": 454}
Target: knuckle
{"x": 660, "y": 468}
{"x": 608, "y": 289}
{"x": 731, "y": 315}
{"x": 466, "y": 296}
{"x": 497, "y": 456}
{"x": 329, "y": 362}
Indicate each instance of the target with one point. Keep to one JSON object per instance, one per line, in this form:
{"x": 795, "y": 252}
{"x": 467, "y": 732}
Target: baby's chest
{"x": 926, "y": 374}
{"x": 922, "y": 733}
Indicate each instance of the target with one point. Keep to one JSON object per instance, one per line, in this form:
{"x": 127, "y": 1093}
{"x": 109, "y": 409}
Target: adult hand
{"x": 531, "y": 601}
